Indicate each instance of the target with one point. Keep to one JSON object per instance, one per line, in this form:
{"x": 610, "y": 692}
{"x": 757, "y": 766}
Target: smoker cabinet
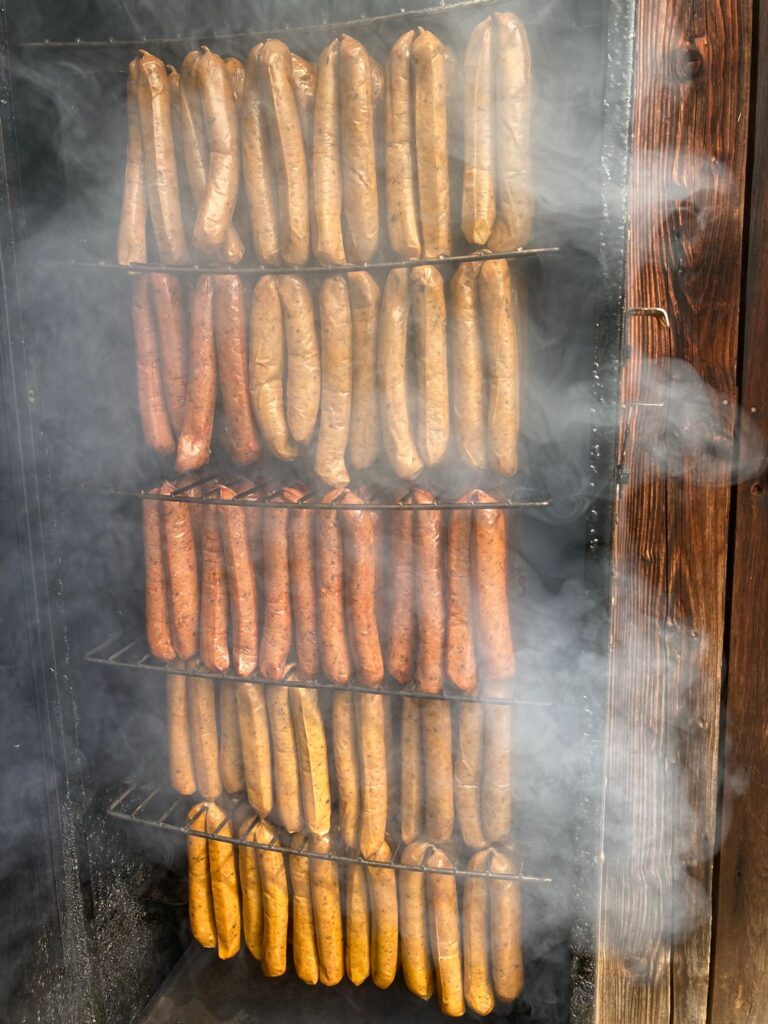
{"x": 95, "y": 921}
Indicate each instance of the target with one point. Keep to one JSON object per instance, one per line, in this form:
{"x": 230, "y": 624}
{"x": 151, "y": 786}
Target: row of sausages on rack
{"x": 362, "y": 920}
{"x": 251, "y": 588}
{"x": 344, "y": 389}
{"x": 306, "y": 136}
{"x": 318, "y": 761}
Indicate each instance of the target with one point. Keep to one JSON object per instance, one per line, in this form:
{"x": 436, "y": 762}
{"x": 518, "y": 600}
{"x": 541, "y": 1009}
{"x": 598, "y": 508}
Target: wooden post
{"x": 678, "y": 395}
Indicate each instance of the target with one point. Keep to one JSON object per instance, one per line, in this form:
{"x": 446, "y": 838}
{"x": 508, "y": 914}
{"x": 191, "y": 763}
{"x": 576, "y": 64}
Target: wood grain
{"x": 740, "y": 976}
{"x": 678, "y": 393}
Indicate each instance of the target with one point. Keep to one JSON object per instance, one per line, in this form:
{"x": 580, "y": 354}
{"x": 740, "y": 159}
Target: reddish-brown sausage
{"x": 157, "y": 598}
{"x": 334, "y": 649}
{"x": 155, "y": 422}
{"x": 243, "y": 595}
{"x": 401, "y": 647}
{"x": 183, "y": 575}
{"x": 460, "y": 666}
{"x": 276, "y": 633}
{"x": 194, "y": 448}
{"x": 360, "y": 554}
{"x": 430, "y": 606}
{"x": 171, "y": 332}
{"x": 494, "y": 633}
{"x": 301, "y": 524}
{"x": 214, "y": 651}
{"x": 231, "y": 356}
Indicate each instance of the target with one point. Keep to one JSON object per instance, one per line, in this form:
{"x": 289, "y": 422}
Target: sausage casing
{"x": 312, "y": 750}
{"x": 214, "y": 602}
{"x": 334, "y": 648}
{"x": 411, "y": 772}
{"x": 251, "y": 896}
{"x": 345, "y": 757}
{"x": 468, "y": 372}
{"x": 304, "y": 80}
{"x": 214, "y": 215}
{"x": 285, "y": 758}
{"x": 358, "y": 152}
{"x": 445, "y": 935}
{"x": 431, "y": 351}
{"x": 241, "y": 580}
{"x": 401, "y": 643}
{"x": 499, "y": 300}
{"x": 336, "y": 395}
{"x": 494, "y": 632}
{"x": 496, "y": 793}
{"x": 303, "y": 930}
{"x": 418, "y": 972}
{"x": 364, "y": 298}
{"x": 357, "y": 927}
{"x": 430, "y": 607}
{"x": 478, "y": 988}
{"x": 155, "y": 421}
{"x": 183, "y": 577}
{"x": 360, "y": 557}
{"x": 205, "y": 737}
{"x": 257, "y": 167}
{"x": 437, "y": 740}
{"x": 132, "y": 236}
{"x": 194, "y": 446}
{"x": 181, "y": 766}
{"x": 326, "y": 906}
{"x": 478, "y": 207}
{"x": 327, "y": 239}
{"x": 393, "y": 376}
{"x": 301, "y": 551}
{"x": 384, "y": 923}
{"x": 274, "y": 886}
{"x": 277, "y": 630}
{"x": 467, "y": 774}
{"x": 372, "y": 710}
{"x": 157, "y": 597}
{"x": 253, "y": 723}
{"x": 402, "y": 215}
{"x": 265, "y": 368}
{"x": 431, "y": 128}
{"x": 303, "y": 358}
{"x": 230, "y": 747}
{"x": 201, "y": 914}
{"x": 460, "y": 664}
{"x": 232, "y": 360}
{"x": 506, "y": 930}
{"x": 236, "y": 76}
{"x": 224, "y": 887}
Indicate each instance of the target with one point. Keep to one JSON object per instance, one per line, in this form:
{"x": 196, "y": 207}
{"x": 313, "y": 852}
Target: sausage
{"x": 304, "y": 81}
{"x": 467, "y": 774}
{"x": 217, "y": 206}
{"x": 285, "y": 758}
{"x": 154, "y": 102}
{"x": 360, "y": 552}
{"x": 411, "y": 772}
{"x": 478, "y": 988}
{"x": 232, "y": 360}
{"x": 358, "y": 152}
{"x": 276, "y": 630}
{"x": 253, "y": 721}
{"x": 499, "y": 302}
{"x": 402, "y": 620}
{"x": 393, "y": 377}
{"x": 364, "y": 299}
{"x": 444, "y": 935}
{"x": 478, "y": 205}
{"x": 201, "y": 915}
{"x": 132, "y": 236}
{"x": 287, "y": 144}
{"x": 514, "y": 196}
{"x": 274, "y": 886}
{"x": 241, "y": 581}
{"x": 174, "y": 86}
{"x": 309, "y": 731}
{"x": 468, "y": 373}
{"x": 303, "y": 357}
{"x": 345, "y": 759}
{"x": 357, "y": 927}
{"x": 496, "y": 792}
{"x": 236, "y": 76}
{"x": 460, "y": 665}
{"x": 265, "y": 368}
{"x": 205, "y": 738}
{"x": 251, "y": 896}
{"x": 418, "y": 973}
{"x": 372, "y": 743}
{"x": 336, "y": 394}
{"x": 182, "y": 575}
{"x": 301, "y": 556}
{"x": 155, "y": 422}
{"x": 494, "y": 633}
{"x": 327, "y": 239}
{"x": 181, "y": 767}
{"x": 430, "y": 607}
{"x": 431, "y": 351}
{"x": 214, "y": 651}
{"x": 224, "y": 888}
{"x": 384, "y": 925}
{"x": 326, "y": 907}
{"x": 230, "y": 747}
{"x": 304, "y": 945}
{"x": 506, "y": 929}
{"x": 257, "y": 167}
{"x": 157, "y": 598}
{"x": 402, "y": 215}
{"x": 431, "y": 135}
{"x": 437, "y": 742}
{"x": 334, "y": 649}
{"x": 194, "y": 445}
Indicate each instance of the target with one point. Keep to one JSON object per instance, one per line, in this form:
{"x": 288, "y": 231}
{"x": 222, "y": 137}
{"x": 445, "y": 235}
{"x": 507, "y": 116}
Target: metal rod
{"x": 505, "y": 504}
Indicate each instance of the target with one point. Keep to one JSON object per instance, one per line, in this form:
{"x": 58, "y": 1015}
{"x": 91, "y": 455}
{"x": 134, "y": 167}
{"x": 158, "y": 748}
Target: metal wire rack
{"x": 162, "y": 808}
{"x": 117, "y": 652}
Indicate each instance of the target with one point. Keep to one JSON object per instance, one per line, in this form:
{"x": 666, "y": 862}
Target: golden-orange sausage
{"x": 253, "y": 722}
{"x": 336, "y": 395}
{"x": 157, "y": 598}
{"x": 360, "y": 556}
{"x": 205, "y": 737}
{"x": 230, "y": 748}
{"x": 194, "y": 447}
{"x": 303, "y": 932}
{"x": 201, "y": 913}
{"x": 430, "y": 347}
{"x": 345, "y": 757}
{"x": 217, "y": 206}
{"x": 265, "y": 368}
{"x": 514, "y": 195}
{"x": 402, "y": 216}
{"x": 181, "y": 766}
{"x": 431, "y": 130}
{"x": 327, "y": 239}
{"x": 467, "y": 774}
{"x": 438, "y": 767}
{"x": 444, "y": 934}
{"x": 154, "y": 102}
{"x": 357, "y": 926}
{"x": 232, "y": 360}
{"x": 460, "y": 666}
{"x": 499, "y": 299}
{"x": 372, "y": 710}
{"x": 287, "y": 143}
{"x": 277, "y": 631}
{"x": 302, "y": 357}
{"x": 183, "y": 576}
{"x": 506, "y": 930}
{"x": 224, "y": 888}
{"x": 132, "y": 236}
{"x": 155, "y": 421}
{"x": 430, "y": 607}
{"x": 418, "y": 973}
{"x": 468, "y": 371}
{"x": 478, "y": 207}
{"x": 274, "y": 886}
{"x": 214, "y": 601}
{"x": 334, "y": 648}
{"x": 326, "y": 906}
{"x": 411, "y": 772}
{"x": 384, "y": 931}
{"x": 301, "y": 550}
{"x": 358, "y": 151}
{"x": 402, "y": 613}
{"x": 393, "y": 377}
{"x": 241, "y": 580}
{"x": 364, "y": 297}
{"x": 312, "y": 750}
{"x": 478, "y": 988}
{"x": 257, "y": 167}
{"x": 251, "y": 895}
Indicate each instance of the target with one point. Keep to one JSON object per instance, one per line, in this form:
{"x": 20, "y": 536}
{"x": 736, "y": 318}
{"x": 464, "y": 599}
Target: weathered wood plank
{"x": 740, "y": 976}
{"x": 671, "y": 529}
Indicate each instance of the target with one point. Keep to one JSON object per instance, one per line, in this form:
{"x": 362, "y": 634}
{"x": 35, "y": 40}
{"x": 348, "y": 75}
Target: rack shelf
{"x": 117, "y": 652}
{"x": 162, "y": 808}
